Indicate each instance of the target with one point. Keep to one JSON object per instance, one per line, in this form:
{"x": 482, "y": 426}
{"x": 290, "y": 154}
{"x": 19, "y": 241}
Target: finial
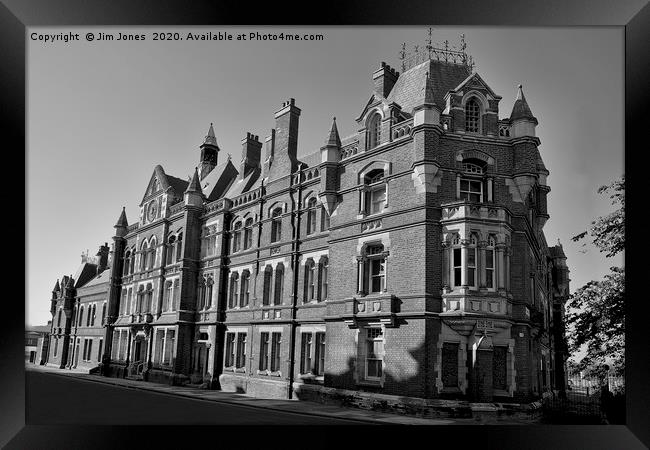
{"x": 402, "y": 56}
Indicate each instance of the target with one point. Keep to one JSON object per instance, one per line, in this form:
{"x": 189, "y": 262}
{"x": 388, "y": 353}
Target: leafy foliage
{"x": 608, "y": 232}
{"x": 597, "y": 316}
{"x": 596, "y": 311}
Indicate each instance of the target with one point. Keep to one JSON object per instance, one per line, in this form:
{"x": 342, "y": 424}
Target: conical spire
{"x": 122, "y": 222}
{"x": 194, "y": 185}
{"x": 521, "y": 110}
{"x": 334, "y": 140}
{"x": 57, "y": 287}
{"x": 70, "y": 284}
{"x": 210, "y": 138}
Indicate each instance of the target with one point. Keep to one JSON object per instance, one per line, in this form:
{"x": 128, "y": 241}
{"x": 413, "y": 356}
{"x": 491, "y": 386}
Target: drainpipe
{"x": 294, "y": 296}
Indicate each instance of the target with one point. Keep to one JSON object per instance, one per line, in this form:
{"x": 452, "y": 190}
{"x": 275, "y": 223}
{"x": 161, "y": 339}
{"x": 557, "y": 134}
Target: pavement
{"x": 241, "y": 399}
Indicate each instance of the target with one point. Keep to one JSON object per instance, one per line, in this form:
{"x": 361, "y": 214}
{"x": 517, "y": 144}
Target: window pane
{"x": 449, "y": 365}
{"x": 374, "y": 368}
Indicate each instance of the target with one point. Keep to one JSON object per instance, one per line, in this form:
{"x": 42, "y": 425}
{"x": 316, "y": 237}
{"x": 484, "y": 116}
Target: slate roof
{"x": 251, "y": 182}
{"x": 410, "y": 85}
{"x": 85, "y": 273}
{"x": 521, "y": 110}
{"x": 102, "y": 278}
{"x": 217, "y": 182}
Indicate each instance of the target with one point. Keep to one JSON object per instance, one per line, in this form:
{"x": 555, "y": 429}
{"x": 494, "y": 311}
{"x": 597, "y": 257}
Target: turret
{"x": 426, "y": 112}
{"x": 522, "y": 121}
{"x": 209, "y": 154}
{"x": 330, "y": 155}
{"x": 193, "y": 193}
{"x": 122, "y": 224}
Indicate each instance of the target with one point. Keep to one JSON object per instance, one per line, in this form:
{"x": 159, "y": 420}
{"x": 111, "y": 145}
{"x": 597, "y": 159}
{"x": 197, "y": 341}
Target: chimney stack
{"x": 285, "y": 152}
{"x": 102, "y": 258}
{"x": 251, "y": 154}
{"x": 384, "y": 78}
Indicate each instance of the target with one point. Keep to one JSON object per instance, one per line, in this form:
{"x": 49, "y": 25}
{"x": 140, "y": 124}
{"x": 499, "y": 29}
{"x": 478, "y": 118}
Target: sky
{"x": 102, "y": 114}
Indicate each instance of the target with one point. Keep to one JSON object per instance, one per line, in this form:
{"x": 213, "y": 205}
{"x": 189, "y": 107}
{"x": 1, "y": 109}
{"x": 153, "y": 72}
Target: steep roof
{"x": 251, "y": 182}
{"x": 177, "y": 185}
{"x": 215, "y": 183}
{"x": 521, "y": 110}
{"x": 333, "y": 138}
{"x": 85, "y": 273}
{"x": 410, "y": 85}
{"x": 121, "y": 221}
{"x": 102, "y": 278}
{"x": 195, "y": 185}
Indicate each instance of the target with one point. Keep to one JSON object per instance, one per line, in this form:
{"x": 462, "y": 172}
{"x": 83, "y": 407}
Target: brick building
{"x": 406, "y": 259}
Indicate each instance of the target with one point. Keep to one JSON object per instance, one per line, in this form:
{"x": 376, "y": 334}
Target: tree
{"x": 596, "y": 311}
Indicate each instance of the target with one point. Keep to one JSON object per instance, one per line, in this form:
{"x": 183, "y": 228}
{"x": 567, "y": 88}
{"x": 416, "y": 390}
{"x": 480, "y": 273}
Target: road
{"x": 62, "y": 400}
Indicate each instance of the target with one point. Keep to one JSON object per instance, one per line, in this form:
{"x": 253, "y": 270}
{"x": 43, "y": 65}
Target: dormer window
{"x": 472, "y": 116}
{"x": 374, "y": 131}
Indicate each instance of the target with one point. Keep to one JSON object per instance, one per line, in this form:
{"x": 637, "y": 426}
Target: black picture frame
{"x": 633, "y": 15}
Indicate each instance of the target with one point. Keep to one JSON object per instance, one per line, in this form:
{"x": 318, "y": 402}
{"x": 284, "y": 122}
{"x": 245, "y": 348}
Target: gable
{"x": 475, "y": 82}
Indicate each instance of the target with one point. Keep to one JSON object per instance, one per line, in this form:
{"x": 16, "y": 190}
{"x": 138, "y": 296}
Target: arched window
{"x": 248, "y": 233}
{"x": 152, "y": 253}
{"x": 471, "y": 261}
{"x": 149, "y": 298}
{"x": 276, "y": 225}
{"x": 374, "y": 131}
{"x": 209, "y": 283}
{"x": 179, "y": 247}
{"x": 58, "y": 321}
{"x": 132, "y": 268}
{"x": 324, "y": 219}
{"x": 167, "y": 296}
{"x": 170, "y": 249}
{"x": 89, "y": 315}
{"x": 144, "y": 252}
{"x": 472, "y": 116}
{"x": 129, "y": 299}
{"x": 324, "y": 268}
{"x": 74, "y": 316}
{"x": 372, "y": 269}
{"x": 245, "y": 284}
{"x": 138, "y": 308}
{"x": 127, "y": 262}
{"x": 177, "y": 295}
{"x": 234, "y": 290}
{"x": 201, "y": 295}
{"x": 311, "y": 215}
{"x": 266, "y": 293}
{"x": 310, "y": 275}
{"x": 375, "y": 191}
{"x": 471, "y": 183}
{"x": 236, "y": 238}
{"x": 279, "y": 284}
{"x": 490, "y": 263}
{"x": 103, "y": 313}
{"x": 81, "y": 316}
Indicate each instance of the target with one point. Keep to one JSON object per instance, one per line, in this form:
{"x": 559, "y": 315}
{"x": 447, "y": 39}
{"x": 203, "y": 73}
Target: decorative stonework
{"x": 426, "y": 177}
{"x": 370, "y": 225}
